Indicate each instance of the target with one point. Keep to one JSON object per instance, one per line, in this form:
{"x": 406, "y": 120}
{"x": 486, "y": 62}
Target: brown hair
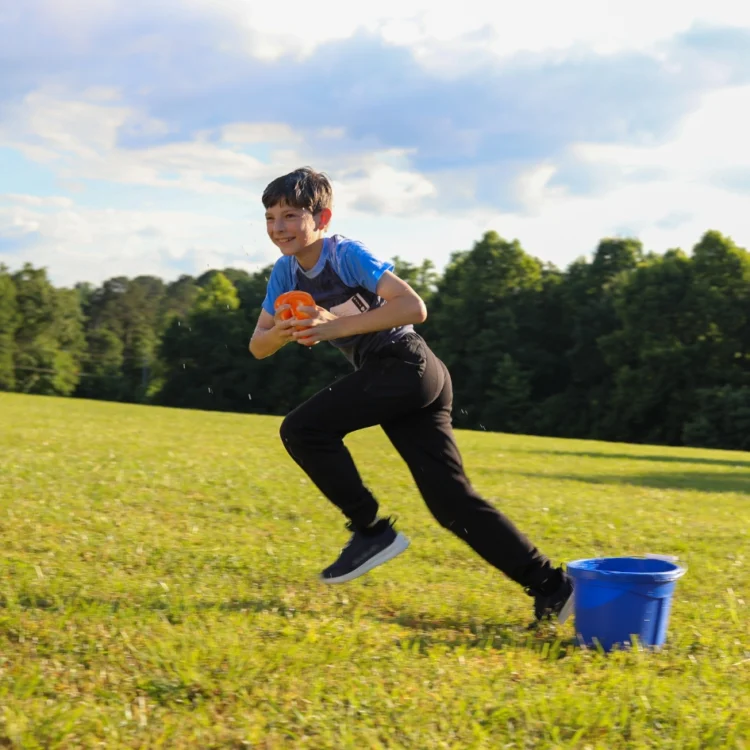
{"x": 303, "y": 188}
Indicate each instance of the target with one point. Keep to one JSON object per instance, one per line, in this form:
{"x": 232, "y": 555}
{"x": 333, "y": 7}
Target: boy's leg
{"x": 384, "y": 389}
{"x": 426, "y": 442}
{"x": 313, "y": 436}
{"x": 390, "y": 385}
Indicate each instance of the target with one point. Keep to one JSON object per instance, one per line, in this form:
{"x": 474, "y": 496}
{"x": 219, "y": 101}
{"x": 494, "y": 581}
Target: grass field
{"x": 158, "y": 589}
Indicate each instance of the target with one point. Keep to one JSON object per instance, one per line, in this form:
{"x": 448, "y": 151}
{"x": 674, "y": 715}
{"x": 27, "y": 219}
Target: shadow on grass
{"x": 455, "y": 634}
{"x": 684, "y": 480}
{"x": 740, "y": 462}
{"x": 427, "y": 633}
{"x": 179, "y": 609}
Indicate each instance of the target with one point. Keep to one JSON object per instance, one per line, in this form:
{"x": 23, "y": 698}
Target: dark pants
{"x": 407, "y": 390}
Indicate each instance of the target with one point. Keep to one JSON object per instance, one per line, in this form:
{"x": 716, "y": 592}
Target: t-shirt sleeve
{"x": 359, "y": 267}
{"x": 279, "y": 282}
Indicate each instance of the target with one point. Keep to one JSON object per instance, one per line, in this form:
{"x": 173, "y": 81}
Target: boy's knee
{"x": 302, "y": 428}
{"x": 441, "y": 513}
{"x": 446, "y": 520}
{"x": 288, "y": 429}
{"x": 295, "y": 428}
{"x": 448, "y": 509}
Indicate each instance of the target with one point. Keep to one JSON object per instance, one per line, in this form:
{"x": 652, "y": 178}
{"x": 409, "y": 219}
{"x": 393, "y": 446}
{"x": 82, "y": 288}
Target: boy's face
{"x": 294, "y": 230}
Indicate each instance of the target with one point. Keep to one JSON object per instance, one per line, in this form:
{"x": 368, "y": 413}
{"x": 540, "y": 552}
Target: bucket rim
{"x": 582, "y": 569}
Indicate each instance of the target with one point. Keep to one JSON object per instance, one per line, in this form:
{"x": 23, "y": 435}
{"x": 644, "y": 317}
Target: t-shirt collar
{"x": 318, "y": 267}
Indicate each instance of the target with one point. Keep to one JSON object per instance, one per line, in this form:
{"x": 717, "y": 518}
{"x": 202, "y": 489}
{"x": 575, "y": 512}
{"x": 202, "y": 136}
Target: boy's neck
{"x": 308, "y": 257}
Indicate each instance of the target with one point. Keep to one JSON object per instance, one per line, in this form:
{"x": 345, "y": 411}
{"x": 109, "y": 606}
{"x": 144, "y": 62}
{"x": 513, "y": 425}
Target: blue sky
{"x": 138, "y": 139}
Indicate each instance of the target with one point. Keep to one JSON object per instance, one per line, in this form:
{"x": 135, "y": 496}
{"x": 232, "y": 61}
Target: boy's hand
{"x": 284, "y": 328}
{"x": 321, "y": 326}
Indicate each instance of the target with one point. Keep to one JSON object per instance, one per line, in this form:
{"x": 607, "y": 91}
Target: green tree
{"x": 650, "y": 352}
{"x": 206, "y": 358}
{"x": 626, "y": 346}
{"x": 217, "y": 294}
{"x": 9, "y": 322}
{"x": 721, "y": 419}
{"x": 422, "y": 278}
{"x": 720, "y": 299}
{"x": 682, "y": 323}
{"x": 49, "y": 341}
{"x": 177, "y": 301}
{"x": 134, "y": 311}
{"x": 476, "y": 320}
{"x": 102, "y": 375}
{"x": 588, "y": 315}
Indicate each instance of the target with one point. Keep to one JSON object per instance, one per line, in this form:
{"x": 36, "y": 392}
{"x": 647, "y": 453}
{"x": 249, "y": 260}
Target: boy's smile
{"x": 297, "y": 231}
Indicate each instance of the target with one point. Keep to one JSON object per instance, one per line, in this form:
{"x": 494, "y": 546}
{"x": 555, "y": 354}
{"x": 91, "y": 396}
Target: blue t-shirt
{"x": 344, "y": 282}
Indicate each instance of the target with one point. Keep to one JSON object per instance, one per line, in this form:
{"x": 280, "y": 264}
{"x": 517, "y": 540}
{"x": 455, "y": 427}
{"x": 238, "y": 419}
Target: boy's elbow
{"x": 420, "y": 313}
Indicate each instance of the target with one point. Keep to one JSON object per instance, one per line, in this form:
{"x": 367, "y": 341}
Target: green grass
{"x": 158, "y": 589}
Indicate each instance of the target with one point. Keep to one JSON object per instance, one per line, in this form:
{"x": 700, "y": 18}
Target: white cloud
{"x": 380, "y": 199}
{"x": 710, "y": 139}
{"x": 671, "y": 211}
{"x": 381, "y": 196}
{"x": 604, "y": 26}
{"x": 80, "y": 244}
{"x": 259, "y": 132}
{"x": 661, "y": 214}
{"x": 77, "y": 138}
{"x": 382, "y": 183}
{"x": 674, "y": 210}
{"x": 57, "y": 201}
{"x": 80, "y": 140}
{"x": 503, "y": 28}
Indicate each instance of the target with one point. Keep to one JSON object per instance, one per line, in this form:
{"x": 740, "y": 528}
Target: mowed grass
{"x": 158, "y": 588}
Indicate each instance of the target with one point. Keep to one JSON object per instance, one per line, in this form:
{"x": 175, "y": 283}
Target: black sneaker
{"x": 365, "y": 551}
{"x": 558, "y": 604}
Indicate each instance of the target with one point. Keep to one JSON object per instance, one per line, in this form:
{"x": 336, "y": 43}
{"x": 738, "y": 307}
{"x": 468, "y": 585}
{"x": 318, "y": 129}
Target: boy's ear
{"x": 324, "y": 218}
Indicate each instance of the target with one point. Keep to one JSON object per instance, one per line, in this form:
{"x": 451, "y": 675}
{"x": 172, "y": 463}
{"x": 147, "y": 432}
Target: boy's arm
{"x": 404, "y": 307}
{"x": 270, "y": 334}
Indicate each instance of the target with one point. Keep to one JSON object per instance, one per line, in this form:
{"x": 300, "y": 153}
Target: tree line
{"x": 626, "y": 346}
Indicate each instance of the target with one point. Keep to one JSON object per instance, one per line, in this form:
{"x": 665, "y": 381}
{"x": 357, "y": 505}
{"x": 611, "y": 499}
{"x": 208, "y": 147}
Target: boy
{"x": 397, "y": 383}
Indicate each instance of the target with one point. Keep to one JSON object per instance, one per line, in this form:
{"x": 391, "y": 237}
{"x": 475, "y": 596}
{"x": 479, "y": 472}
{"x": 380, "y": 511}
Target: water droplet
{"x": 250, "y": 398}
{"x": 183, "y": 365}
{"x": 179, "y": 323}
{"x": 210, "y": 391}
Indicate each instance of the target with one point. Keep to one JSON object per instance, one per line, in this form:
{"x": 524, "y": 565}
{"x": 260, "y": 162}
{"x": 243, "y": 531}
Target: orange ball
{"x": 295, "y": 299}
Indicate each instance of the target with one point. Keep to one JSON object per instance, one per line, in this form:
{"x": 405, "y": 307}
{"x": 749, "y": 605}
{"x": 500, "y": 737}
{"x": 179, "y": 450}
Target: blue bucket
{"x": 616, "y": 598}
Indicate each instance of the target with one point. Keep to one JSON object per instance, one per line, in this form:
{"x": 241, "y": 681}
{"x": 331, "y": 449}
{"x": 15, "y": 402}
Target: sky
{"x": 136, "y": 138}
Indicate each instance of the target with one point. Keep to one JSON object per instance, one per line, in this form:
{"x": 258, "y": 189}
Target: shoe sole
{"x": 396, "y": 547}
